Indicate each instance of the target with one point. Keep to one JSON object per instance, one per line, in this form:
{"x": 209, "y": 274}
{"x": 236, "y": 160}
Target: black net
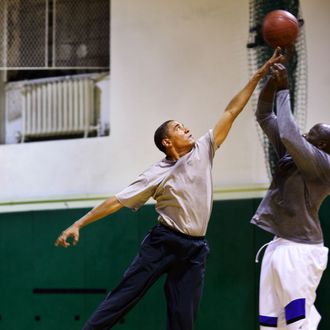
{"x": 259, "y": 52}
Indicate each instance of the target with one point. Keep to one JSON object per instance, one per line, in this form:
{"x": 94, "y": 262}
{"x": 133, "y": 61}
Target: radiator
{"x": 59, "y": 107}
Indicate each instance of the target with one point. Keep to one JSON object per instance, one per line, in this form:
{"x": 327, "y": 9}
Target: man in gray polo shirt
{"x": 181, "y": 184}
{"x": 295, "y": 260}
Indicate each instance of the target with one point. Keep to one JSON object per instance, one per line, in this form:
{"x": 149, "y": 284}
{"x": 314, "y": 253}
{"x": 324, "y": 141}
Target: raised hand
{"x": 277, "y": 57}
{"x": 280, "y": 76}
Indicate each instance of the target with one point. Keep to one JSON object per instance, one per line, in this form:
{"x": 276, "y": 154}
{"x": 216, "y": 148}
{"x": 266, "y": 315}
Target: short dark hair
{"x": 160, "y": 135}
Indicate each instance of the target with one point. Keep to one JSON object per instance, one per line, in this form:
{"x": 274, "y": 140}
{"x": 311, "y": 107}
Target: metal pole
{"x": 5, "y": 34}
{"x": 46, "y": 31}
{"x": 54, "y": 35}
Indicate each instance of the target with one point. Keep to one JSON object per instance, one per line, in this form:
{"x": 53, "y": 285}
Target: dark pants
{"x": 162, "y": 251}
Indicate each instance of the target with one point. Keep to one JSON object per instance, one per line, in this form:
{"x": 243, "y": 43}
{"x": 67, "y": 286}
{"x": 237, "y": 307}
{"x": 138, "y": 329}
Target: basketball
{"x": 280, "y": 28}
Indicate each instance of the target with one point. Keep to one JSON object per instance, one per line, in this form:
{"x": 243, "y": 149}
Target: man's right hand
{"x": 277, "y": 57}
{"x": 107, "y": 207}
{"x": 72, "y": 231}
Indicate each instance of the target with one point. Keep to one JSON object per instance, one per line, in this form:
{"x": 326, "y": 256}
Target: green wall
{"x": 29, "y": 261}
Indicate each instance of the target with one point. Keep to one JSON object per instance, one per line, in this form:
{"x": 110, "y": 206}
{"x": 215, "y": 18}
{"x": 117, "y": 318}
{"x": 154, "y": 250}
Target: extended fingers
{"x": 279, "y": 66}
{"x": 276, "y": 57}
{"x": 279, "y": 75}
{"x": 276, "y": 69}
{"x": 276, "y": 53}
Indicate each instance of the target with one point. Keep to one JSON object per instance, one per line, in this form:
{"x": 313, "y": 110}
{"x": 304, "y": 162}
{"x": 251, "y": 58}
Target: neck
{"x": 176, "y": 154}
{"x": 173, "y": 156}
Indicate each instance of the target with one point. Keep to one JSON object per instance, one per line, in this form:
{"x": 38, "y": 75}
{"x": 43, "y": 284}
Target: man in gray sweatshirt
{"x": 294, "y": 261}
{"x": 181, "y": 185}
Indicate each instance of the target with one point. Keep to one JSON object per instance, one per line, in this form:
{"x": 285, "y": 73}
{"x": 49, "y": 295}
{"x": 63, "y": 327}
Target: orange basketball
{"x": 280, "y": 28}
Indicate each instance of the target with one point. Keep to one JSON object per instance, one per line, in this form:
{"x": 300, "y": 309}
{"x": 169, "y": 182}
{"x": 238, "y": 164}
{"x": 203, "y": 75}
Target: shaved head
{"x": 319, "y": 136}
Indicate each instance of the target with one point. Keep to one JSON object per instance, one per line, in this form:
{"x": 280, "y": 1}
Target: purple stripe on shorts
{"x": 295, "y": 310}
{"x": 268, "y": 321}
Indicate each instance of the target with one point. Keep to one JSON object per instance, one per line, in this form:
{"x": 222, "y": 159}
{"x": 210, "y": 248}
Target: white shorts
{"x": 290, "y": 275}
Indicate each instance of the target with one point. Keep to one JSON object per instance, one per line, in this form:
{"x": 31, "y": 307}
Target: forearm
{"x": 289, "y": 131}
{"x": 108, "y": 207}
{"x": 268, "y": 91}
{"x": 303, "y": 153}
{"x": 267, "y": 119}
{"x": 233, "y": 109}
{"x": 238, "y": 102}
{"x": 265, "y": 101}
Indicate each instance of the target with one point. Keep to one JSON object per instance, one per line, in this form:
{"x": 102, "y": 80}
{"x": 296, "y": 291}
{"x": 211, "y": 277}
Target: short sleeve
{"x": 208, "y": 142}
{"x": 136, "y": 194}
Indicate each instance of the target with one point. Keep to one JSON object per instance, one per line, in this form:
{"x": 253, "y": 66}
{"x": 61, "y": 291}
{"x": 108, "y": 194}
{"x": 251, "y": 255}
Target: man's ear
{"x": 322, "y": 144}
{"x": 166, "y": 142}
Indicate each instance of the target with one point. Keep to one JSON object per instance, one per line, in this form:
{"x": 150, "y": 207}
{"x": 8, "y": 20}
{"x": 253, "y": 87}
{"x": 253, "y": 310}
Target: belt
{"x": 179, "y": 233}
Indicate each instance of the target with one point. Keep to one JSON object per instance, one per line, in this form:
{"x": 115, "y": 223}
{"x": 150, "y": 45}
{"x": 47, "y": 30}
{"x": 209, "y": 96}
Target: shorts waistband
{"x": 283, "y": 241}
{"x": 179, "y": 233}
{"x": 279, "y": 241}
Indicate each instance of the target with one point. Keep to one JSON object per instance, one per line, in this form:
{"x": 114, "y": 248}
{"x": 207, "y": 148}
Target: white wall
{"x": 317, "y": 27}
{"x": 169, "y": 59}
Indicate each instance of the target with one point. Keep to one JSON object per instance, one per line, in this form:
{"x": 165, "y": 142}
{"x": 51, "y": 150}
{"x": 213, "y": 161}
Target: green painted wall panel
{"x": 29, "y": 260}
{"x": 228, "y": 296}
{"x": 323, "y": 292}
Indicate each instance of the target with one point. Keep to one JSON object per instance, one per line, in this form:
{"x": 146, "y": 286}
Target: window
{"x": 56, "y": 61}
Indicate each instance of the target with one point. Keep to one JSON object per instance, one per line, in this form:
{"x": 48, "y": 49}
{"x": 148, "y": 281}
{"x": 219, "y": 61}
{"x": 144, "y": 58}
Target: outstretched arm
{"x": 237, "y": 104}
{"x": 264, "y": 113}
{"x": 308, "y": 158}
{"x": 109, "y": 206}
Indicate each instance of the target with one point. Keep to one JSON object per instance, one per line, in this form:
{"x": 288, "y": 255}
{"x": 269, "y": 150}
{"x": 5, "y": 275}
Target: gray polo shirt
{"x": 301, "y": 182}
{"x": 182, "y": 189}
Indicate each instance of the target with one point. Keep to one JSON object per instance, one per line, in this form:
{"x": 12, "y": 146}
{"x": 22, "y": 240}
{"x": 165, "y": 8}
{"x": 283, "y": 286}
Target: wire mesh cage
{"x": 54, "y": 34}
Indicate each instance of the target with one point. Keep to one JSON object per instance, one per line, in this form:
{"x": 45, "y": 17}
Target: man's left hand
{"x": 280, "y": 76}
